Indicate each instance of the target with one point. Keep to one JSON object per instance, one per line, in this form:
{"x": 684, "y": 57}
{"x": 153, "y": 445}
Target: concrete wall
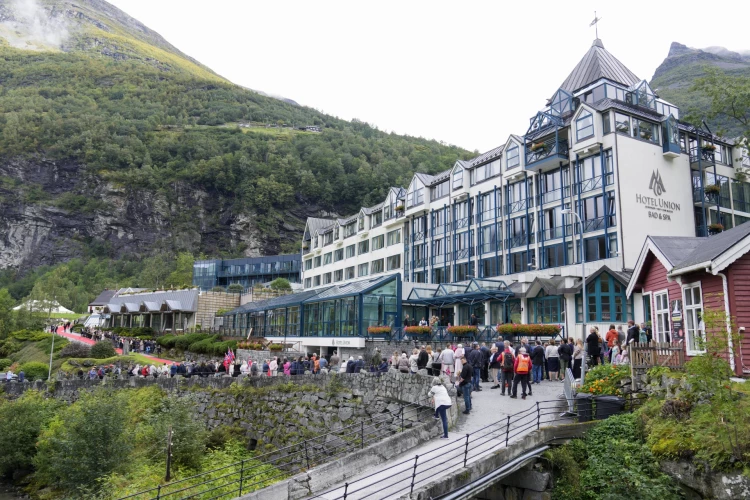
{"x": 210, "y": 302}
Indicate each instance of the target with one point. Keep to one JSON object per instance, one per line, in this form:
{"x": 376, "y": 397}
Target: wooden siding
{"x": 738, "y": 275}
{"x": 655, "y": 281}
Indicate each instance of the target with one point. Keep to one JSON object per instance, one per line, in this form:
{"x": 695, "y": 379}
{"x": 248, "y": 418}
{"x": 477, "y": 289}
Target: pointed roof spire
{"x": 596, "y": 64}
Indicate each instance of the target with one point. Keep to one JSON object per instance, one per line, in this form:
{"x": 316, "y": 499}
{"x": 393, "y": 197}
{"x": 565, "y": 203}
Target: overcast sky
{"x": 467, "y": 73}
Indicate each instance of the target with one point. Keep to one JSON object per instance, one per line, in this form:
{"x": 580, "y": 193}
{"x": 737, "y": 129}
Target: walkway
{"x": 489, "y": 407}
{"x": 77, "y": 338}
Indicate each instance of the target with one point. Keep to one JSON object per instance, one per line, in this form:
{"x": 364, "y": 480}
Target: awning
{"x": 475, "y": 291}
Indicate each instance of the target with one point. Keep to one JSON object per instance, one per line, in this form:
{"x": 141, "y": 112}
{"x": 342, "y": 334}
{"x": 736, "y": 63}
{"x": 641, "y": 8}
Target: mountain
{"x": 116, "y": 145}
{"x": 683, "y": 65}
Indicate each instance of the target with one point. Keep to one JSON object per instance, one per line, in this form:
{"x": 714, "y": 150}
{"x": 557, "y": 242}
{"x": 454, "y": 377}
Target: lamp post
{"x": 584, "y": 305}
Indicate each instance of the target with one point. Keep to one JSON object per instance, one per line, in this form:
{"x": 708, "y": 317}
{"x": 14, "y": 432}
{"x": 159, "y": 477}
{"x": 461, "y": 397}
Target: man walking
{"x": 506, "y": 373}
{"x": 522, "y": 368}
{"x": 565, "y": 351}
{"x": 537, "y": 362}
{"x": 633, "y": 332}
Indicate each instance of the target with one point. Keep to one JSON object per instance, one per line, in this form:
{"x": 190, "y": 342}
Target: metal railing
{"x": 404, "y": 477}
{"x": 440, "y": 334}
{"x": 254, "y": 473}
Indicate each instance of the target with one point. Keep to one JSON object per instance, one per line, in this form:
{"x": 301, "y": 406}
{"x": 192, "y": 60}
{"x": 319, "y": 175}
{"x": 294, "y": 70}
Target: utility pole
{"x": 52, "y": 349}
{"x": 169, "y": 454}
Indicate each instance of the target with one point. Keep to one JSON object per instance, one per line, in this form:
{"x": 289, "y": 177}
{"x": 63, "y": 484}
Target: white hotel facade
{"x": 488, "y": 236}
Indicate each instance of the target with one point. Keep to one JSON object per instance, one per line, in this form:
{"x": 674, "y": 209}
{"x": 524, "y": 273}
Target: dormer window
{"x": 376, "y": 219}
{"x": 584, "y": 126}
{"x": 439, "y": 190}
{"x": 458, "y": 178}
{"x": 361, "y": 223}
{"x": 512, "y": 159}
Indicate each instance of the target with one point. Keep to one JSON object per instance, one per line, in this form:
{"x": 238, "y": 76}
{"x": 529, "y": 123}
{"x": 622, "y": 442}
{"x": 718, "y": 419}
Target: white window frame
{"x": 656, "y": 327}
{"x": 698, "y": 324}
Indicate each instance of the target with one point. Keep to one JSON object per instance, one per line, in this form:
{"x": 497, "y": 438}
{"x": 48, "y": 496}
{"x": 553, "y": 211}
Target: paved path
{"x": 438, "y": 456}
{"x": 77, "y": 338}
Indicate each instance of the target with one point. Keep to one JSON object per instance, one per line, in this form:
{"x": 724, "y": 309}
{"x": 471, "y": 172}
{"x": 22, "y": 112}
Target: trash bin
{"x": 583, "y": 406}
{"x": 606, "y": 406}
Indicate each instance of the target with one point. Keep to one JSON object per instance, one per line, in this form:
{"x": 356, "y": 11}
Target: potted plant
{"x": 399, "y": 208}
{"x": 538, "y": 147}
{"x": 275, "y": 347}
{"x": 528, "y": 330}
{"x": 740, "y": 175}
{"x": 708, "y": 148}
{"x": 712, "y": 189}
{"x": 418, "y": 330}
{"x": 462, "y": 330}
{"x": 715, "y": 228}
{"x": 379, "y": 330}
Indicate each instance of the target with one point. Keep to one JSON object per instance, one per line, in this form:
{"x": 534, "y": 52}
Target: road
{"x": 487, "y": 428}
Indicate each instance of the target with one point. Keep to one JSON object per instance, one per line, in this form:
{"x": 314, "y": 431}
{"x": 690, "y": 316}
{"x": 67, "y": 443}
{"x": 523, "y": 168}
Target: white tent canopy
{"x": 43, "y": 306}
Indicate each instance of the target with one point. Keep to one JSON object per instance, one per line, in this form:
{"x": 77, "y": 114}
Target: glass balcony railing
{"x": 548, "y": 149}
{"x": 703, "y": 155}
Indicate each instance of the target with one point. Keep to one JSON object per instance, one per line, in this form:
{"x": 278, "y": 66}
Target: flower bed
{"x": 530, "y": 330}
{"x": 462, "y": 330}
{"x": 378, "y": 330}
{"x": 605, "y": 379}
{"x": 250, "y": 346}
{"x": 418, "y": 330}
{"x": 275, "y": 347}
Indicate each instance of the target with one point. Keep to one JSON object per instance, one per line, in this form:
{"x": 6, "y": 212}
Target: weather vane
{"x": 595, "y": 23}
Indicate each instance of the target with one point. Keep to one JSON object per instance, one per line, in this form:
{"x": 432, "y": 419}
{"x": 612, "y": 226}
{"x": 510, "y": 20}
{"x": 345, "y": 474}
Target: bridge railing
{"x": 403, "y": 477}
{"x": 254, "y": 473}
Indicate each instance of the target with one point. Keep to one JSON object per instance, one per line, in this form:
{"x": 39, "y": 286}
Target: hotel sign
{"x": 657, "y": 207}
{"x": 354, "y": 342}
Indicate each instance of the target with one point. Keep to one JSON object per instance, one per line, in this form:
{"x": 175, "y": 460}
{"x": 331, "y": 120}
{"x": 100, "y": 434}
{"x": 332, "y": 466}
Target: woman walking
{"x": 442, "y": 403}
{"x": 592, "y": 346}
{"x": 578, "y": 354}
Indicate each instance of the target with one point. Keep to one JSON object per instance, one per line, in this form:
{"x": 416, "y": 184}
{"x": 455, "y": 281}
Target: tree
{"x": 52, "y": 289}
{"x": 6, "y": 312}
{"x": 155, "y": 271}
{"x": 182, "y": 276}
{"x": 103, "y": 350}
{"x": 85, "y": 441}
{"x": 281, "y": 284}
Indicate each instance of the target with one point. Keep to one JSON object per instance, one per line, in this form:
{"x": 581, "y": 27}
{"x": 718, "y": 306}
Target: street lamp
{"x": 584, "y": 305}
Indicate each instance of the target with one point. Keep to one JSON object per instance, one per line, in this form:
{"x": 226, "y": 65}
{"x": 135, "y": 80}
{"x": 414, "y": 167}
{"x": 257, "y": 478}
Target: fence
{"x": 645, "y": 356}
{"x": 258, "y": 472}
{"x": 402, "y": 478}
{"x": 441, "y": 334}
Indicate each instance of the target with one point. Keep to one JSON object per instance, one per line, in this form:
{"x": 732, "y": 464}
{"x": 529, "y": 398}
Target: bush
{"x": 184, "y": 341}
{"x": 280, "y": 284}
{"x": 76, "y": 328}
{"x": 275, "y": 347}
{"x": 235, "y": 288}
{"x": 103, "y": 350}
{"x": 76, "y": 350}
{"x": 167, "y": 341}
{"x": 29, "y": 335}
{"x": 4, "y": 364}
{"x": 605, "y": 379}
{"x": 35, "y": 371}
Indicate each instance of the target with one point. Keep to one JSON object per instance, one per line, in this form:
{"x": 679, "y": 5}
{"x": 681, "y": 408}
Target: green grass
{"x": 72, "y": 316}
{"x": 123, "y": 360}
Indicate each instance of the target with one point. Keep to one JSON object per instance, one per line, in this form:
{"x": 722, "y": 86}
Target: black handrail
{"x": 295, "y": 458}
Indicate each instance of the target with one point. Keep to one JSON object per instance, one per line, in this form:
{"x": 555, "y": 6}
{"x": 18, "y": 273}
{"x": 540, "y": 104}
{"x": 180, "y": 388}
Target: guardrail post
{"x": 414, "y": 474}
{"x": 466, "y": 450}
{"x": 507, "y": 432}
{"x": 363, "y": 433}
{"x": 307, "y": 457}
{"x": 242, "y": 475}
{"x": 538, "y": 415}
{"x": 402, "y": 419}
{"x": 346, "y": 487}
{"x": 158, "y": 492}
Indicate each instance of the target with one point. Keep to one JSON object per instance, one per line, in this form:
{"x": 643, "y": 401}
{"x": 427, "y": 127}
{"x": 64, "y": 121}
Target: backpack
{"x": 523, "y": 364}
{"x": 507, "y": 362}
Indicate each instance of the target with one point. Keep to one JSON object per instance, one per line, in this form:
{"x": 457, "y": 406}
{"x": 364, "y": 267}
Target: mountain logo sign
{"x": 656, "y": 185}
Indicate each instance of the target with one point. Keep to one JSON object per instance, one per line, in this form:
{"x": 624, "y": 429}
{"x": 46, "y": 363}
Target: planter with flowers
{"x": 379, "y": 330}
{"x": 708, "y": 148}
{"x": 417, "y": 330}
{"x": 715, "y": 228}
{"x": 528, "y": 330}
{"x": 462, "y": 330}
{"x": 275, "y": 347}
{"x": 712, "y": 189}
{"x": 538, "y": 147}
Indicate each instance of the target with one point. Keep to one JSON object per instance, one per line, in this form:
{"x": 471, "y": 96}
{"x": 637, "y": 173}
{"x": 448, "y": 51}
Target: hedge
{"x": 529, "y": 330}
{"x": 184, "y": 341}
{"x": 34, "y": 370}
{"x": 5, "y": 364}
{"x": 462, "y": 330}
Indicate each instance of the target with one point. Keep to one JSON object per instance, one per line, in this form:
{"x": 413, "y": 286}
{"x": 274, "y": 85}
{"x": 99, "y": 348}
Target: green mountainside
{"x": 675, "y": 76}
{"x": 115, "y": 145}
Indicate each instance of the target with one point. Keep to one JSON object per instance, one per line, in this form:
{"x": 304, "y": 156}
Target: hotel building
{"x": 490, "y": 236}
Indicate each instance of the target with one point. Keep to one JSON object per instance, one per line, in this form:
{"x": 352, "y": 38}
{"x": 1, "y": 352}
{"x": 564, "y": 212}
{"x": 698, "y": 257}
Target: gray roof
{"x": 103, "y": 298}
{"x": 276, "y": 302}
{"x": 648, "y": 113}
{"x": 597, "y": 64}
{"x": 485, "y": 157}
{"x": 425, "y": 178}
{"x": 374, "y": 208}
{"x": 438, "y": 178}
{"x": 676, "y": 248}
{"x": 713, "y": 247}
{"x": 187, "y": 299}
{"x": 314, "y": 224}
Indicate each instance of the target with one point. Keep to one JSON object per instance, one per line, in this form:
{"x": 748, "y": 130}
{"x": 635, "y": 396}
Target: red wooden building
{"x": 676, "y": 277}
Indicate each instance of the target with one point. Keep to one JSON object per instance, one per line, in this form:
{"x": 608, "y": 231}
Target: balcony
{"x": 518, "y": 206}
{"x": 702, "y": 155}
{"x": 594, "y": 183}
{"x": 462, "y": 223}
{"x": 518, "y": 240}
{"x": 416, "y": 237}
{"x": 463, "y": 253}
{"x": 546, "y": 153}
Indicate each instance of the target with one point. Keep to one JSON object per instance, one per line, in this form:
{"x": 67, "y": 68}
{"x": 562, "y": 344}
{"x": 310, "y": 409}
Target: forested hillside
{"x": 118, "y": 147}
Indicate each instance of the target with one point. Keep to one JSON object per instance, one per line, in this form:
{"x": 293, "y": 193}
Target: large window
{"x": 518, "y": 262}
{"x": 458, "y": 178}
{"x": 584, "y": 126}
{"x": 327, "y": 258}
{"x": 308, "y": 264}
{"x": 362, "y": 269}
{"x": 439, "y": 191}
{"x": 376, "y": 219}
{"x": 308, "y": 282}
{"x": 415, "y": 196}
{"x": 606, "y": 123}
{"x": 376, "y": 266}
{"x": 661, "y": 314}
{"x": 607, "y": 301}
{"x": 364, "y": 247}
{"x": 394, "y": 262}
{"x": 512, "y": 158}
{"x": 640, "y": 129}
{"x": 491, "y": 267}
{"x": 316, "y": 280}
{"x": 338, "y": 275}
{"x": 328, "y": 238}
{"x": 546, "y": 309}
{"x": 326, "y": 278}
{"x": 694, "y": 327}
{"x": 394, "y": 237}
{"x": 338, "y": 255}
{"x": 350, "y": 230}
{"x": 350, "y": 251}
{"x": 484, "y": 172}
{"x": 349, "y": 273}
{"x": 378, "y": 242}
{"x": 553, "y": 256}
{"x": 317, "y": 261}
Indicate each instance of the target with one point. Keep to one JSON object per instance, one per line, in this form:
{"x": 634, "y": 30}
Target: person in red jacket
{"x": 521, "y": 367}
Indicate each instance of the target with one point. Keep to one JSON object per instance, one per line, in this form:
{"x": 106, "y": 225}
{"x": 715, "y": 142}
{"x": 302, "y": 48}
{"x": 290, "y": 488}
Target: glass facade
{"x": 209, "y": 274}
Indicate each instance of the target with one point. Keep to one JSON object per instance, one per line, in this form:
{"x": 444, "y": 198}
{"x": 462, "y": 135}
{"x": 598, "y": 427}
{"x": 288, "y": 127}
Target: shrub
{"x": 4, "y": 364}
{"x": 75, "y": 350}
{"x": 529, "y": 330}
{"x": 280, "y": 284}
{"x": 103, "y": 350}
{"x": 34, "y": 370}
{"x": 605, "y": 379}
{"x": 275, "y": 347}
{"x": 29, "y": 335}
{"x": 167, "y": 341}
{"x": 184, "y": 341}
{"x": 252, "y": 346}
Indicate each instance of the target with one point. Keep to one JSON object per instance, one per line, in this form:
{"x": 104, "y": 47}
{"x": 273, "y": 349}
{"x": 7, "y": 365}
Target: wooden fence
{"x": 669, "y": 354}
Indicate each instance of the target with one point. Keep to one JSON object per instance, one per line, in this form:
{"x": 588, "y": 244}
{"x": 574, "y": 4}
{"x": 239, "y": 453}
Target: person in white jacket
{"x": 244, "y": 369}
{"x": 446, "y": 360}
{"x": 457, "y": 357}
{"x": 442, "y": 402}
{"x": 273, "y": 367}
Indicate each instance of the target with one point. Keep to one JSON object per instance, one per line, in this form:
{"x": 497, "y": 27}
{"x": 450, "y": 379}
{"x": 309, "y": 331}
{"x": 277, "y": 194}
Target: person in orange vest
{"x": 522, "y": 367}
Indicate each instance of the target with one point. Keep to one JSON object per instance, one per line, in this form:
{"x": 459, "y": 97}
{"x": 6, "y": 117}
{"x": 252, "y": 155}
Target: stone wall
{"x": 261, "y": 356}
